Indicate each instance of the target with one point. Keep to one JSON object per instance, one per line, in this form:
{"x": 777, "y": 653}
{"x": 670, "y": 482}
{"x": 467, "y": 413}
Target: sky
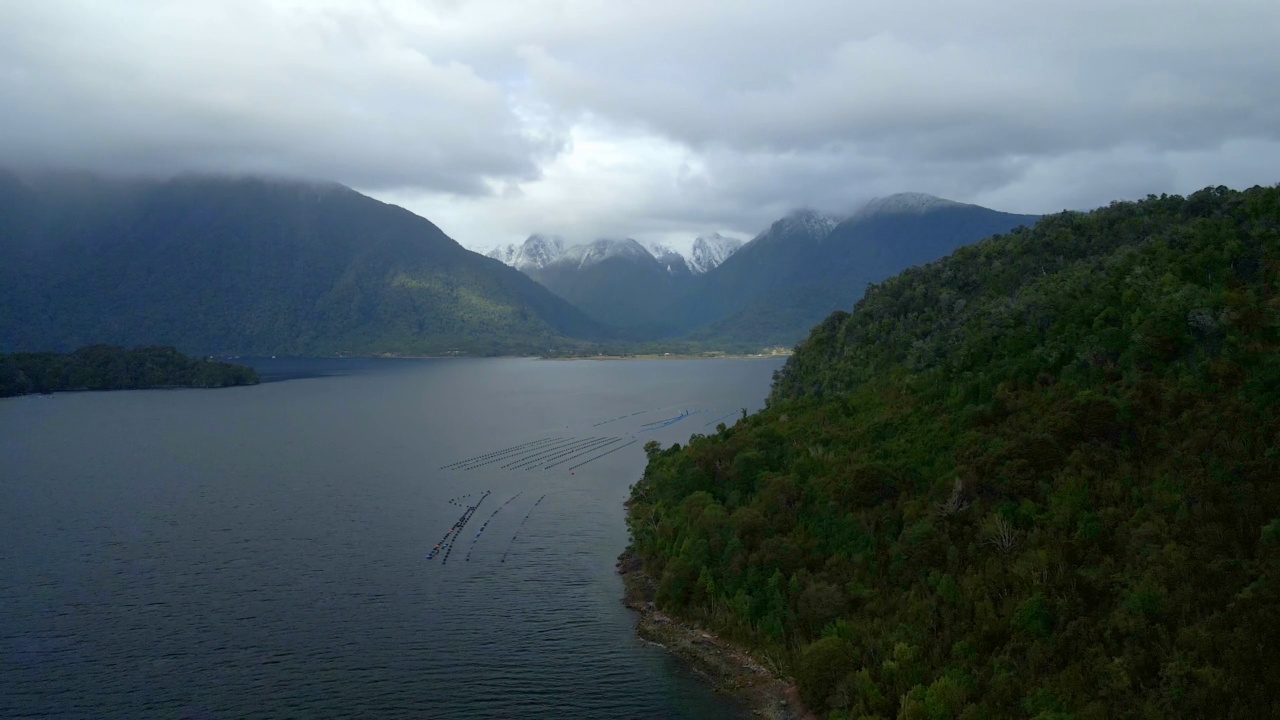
{"x": 659, "y": 120}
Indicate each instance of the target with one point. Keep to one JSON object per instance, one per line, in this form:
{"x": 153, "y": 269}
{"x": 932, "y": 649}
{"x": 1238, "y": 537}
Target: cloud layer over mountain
{"x": 659, "y": 120}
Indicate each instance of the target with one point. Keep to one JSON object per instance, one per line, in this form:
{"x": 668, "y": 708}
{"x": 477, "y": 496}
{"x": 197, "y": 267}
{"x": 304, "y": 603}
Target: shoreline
{"x": 728, "y": 669}
{"x": 463, "y": 356}
{"x": 669, "y": 356}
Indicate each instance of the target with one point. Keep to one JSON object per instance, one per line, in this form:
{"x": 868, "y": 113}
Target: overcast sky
{"x": 654, "y": 119}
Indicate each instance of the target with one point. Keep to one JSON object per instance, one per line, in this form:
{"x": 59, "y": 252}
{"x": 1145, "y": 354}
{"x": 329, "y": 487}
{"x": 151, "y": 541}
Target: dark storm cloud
{"x": 310, "y": 90}
{"x": 661, "y": 118}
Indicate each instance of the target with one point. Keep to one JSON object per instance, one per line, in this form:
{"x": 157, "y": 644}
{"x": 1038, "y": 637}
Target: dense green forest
{"x": 1038, "y": 478}
{"x": 107, "y": 367}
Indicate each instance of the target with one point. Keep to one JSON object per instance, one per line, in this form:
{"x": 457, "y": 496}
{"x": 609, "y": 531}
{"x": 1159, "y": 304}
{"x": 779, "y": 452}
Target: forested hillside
{"x": 106, "y": 367}
{"x": 1038, "y": 478}
{"x": 254, "y": 266}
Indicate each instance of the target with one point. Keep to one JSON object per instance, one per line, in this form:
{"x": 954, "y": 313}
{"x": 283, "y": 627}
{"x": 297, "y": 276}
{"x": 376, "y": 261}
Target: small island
{"x": 110, "y": 367}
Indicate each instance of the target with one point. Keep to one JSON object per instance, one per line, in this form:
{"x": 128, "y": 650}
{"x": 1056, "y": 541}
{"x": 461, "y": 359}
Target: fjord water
{"x": 263, "y": 551}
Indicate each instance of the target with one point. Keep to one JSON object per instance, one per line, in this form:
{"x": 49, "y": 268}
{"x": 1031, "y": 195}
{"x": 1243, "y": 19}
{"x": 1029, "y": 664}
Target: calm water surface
{"x": 267, "y": 551}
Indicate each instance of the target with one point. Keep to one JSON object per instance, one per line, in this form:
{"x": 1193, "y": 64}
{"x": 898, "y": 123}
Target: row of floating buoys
{"x": 488, "y": 520}
{"x": 671, "y": 421}
{"x": 582, "y": 452}
{"x": 525, "y": 452}
{"x": 445, "y": 542}
{"x": 597, "y": 457}
{"x": 460, "y": 463}
{"x": 520, "y": 462}
{"x": 466, "y": 516}
{"x": 663, "y": 420}
{"x": 457, "y": 501}
{"x": 597, "y": 443}
{"x": 621, "y": 418}
{"x": 722, "y": 417}
{"x": 518, "y": 529}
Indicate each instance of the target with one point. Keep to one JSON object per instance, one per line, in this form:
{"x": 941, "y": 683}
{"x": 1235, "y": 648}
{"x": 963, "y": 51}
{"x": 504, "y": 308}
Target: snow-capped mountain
{"x": 617, "y": 282}
{"x": 669, "y": 258}
{"x": 709, "y": 251}
{"x": 907, "y": 203}
{"x": 596, "y": 252}
{"x": 535, "y": 253}
{"x": 541, "y": 251}
{"x": 768, "y": 291}
{"x": 808, "y": 224}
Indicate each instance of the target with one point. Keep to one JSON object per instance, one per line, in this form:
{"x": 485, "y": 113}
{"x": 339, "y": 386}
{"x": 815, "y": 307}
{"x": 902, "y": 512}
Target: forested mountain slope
{"x": 772, "y": 261}
{"x": 806, "y": 281}
{"x": 1038, "y": 478}
{"x": 221, "y": 265}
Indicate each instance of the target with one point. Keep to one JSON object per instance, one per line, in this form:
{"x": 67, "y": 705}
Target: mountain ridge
{"x": 215, "y": 264}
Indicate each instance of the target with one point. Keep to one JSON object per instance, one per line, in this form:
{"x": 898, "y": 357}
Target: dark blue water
{"x": 264, "y": 551}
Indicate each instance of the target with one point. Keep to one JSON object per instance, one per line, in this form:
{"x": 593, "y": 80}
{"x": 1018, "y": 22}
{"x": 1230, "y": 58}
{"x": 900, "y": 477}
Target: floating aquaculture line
{"x": 599, "y": 443}
{"x": 489, "y": 519}
{"x": 597, "y": 457}
{"x": 671, "y": 421}
{"x": 664, "y": 420}
{"x": 518, "y": 529}
{"x": 621, "y": 417}
{"x": 518, "y": 462}
{"x": 722, "y": 417}
{"x": 456, "y": 527}
{"x": 465, "y": 517}
{"x": 457, "y": 501}
{"x": 580, "y": 453}
{"x": 480, "y": 458}
{"x": 525, "y": 453}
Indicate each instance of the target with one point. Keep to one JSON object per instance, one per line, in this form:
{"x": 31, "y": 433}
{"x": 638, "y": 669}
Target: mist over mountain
{"x": 253, "y": 266}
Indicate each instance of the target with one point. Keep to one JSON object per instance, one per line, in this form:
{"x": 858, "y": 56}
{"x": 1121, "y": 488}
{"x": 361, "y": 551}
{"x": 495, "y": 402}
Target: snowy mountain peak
{"x": 504, "y": 254}
{"x": 535, "y": 253}
{"x": 709, "y": 251}
{"x": 909, "y": 203}
{"x": 540, "y": 251}
{"x": 596, "y": 252}
{"x": 669, "y": 258}
{"x": 809, "y": 223}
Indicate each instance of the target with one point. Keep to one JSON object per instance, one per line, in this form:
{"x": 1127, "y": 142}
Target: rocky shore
{"x": 726, "y": 667}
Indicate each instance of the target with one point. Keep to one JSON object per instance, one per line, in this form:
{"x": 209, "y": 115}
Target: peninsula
{"x": 109, "y": 367}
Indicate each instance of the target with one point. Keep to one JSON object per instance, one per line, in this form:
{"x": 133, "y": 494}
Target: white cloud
{"x": 658, "y": 120}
